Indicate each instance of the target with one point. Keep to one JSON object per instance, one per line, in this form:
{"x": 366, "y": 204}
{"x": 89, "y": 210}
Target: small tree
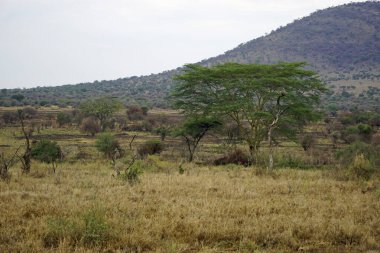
{"x": 149, "y": 148}
{"x": 5, "y": 164}
{"x": 109, "y": 146}
{"x": 307, "y": 141}
{"x": 193, "y": 130}
{"x": 102, "y": 109}
{"x": 135, "y": 112}
{"x": 63, "y": 119}
{"x": 47, "y": 151}
{"x": 90, "y": 125}
{"x": 10, "y": 117}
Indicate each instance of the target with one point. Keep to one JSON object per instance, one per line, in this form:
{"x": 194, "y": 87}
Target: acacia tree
{"x": 102, "y": 109}
{"x": 193, "y": 130}
{"x": 260, "y": 99}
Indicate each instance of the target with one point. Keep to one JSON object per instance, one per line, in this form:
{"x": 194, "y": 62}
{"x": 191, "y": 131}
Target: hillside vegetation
{"x": 340, "y": 43}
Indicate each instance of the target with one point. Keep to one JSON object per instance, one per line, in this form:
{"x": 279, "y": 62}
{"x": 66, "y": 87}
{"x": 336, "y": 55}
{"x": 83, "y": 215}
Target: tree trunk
{"x": 191, "y": 157}
{"x": 270, "y": 167}
{"x": 28, "y": 150}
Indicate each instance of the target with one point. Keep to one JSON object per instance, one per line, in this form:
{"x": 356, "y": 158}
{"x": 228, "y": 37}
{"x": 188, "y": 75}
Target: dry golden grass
{"x": 206, "y": 209}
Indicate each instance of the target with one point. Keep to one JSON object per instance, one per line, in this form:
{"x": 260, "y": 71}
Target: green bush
{"x": 63, "y": 119}
{"x": 292, "y": 162}
{"x": 132, "y": 174}
{"x": 235, "y": 157}
{"x": 307, "y": 141}
{"x": 47, "y": 151}
{"x": 150, "y": 148}
{"x": 108, "y": 145}
{"x": 96, "y": 230}
{"x": 346, "y": 155}
{"x": 60, "y": 228}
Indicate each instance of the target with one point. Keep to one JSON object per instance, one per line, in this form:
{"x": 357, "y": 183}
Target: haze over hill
{"x": 341, "y": 43}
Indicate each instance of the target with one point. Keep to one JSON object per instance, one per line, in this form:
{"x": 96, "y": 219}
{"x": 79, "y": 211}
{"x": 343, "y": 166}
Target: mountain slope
{"x": 341, "y": 43}
{"x": 335, "y": 39}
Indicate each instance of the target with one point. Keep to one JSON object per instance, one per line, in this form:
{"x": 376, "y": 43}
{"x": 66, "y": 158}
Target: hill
{"x": 341, "y": 43}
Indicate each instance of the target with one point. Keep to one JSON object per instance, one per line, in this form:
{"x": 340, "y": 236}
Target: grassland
{"x": 83, "y": 208}
{"x": 181, "y": 207}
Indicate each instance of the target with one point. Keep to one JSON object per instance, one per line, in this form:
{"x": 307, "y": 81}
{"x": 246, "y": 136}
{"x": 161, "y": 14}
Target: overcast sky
{"x": 55, "y": 42}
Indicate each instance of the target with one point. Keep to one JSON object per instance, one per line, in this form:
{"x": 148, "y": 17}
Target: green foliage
{"x": 237, "y": 156}
{"x": 290, "y": 161}
{"x": 96, "y": 230}
{"x": 18, "y": 97}
{"x": 101, "y": 108}
{"x": 193, "y": 130}
{"x": 63, "y": 118}
{"x": 181, "y": 170}
{"x": 60, "y": 228}
{"x": 150, "y": 147}
{"x": 107, "y": 144}
{"x": 29, "y": 112}
{"x": 90, "y": 125}
{"x": 47, "y": 151}
{"x": 346, "y": 155}
{"x": 132, "y": 174}
{"x": 10, "y": 117}
{"x": 265, "y": 101}
{"x": 91, "y": 229}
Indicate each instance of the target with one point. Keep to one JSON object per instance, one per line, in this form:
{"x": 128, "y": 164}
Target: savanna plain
{"x": 176, "y": 206}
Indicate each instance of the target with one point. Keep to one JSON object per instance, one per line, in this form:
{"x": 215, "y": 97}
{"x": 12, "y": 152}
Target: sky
{"x": 56, "y": 42}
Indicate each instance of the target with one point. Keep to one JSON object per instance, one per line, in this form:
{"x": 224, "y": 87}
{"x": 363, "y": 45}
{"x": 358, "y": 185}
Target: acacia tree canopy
{"x": 101, "y": 108}
{"x": 261, "y": 99}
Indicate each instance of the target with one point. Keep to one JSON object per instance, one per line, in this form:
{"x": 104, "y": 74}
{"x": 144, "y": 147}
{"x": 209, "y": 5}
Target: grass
{"x": 180, "y": 207}
{"x": 83, "y": 208}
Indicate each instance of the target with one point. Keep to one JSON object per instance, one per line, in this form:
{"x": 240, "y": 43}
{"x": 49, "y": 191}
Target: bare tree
{"x": 26, "y": 157}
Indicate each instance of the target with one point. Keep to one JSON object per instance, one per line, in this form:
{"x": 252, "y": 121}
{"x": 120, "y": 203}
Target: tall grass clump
{"x": 132, "y": 173}
{"x": 91, "y": 229}
{"x": 361, "y": 167}
{"x": 150, "y": 148}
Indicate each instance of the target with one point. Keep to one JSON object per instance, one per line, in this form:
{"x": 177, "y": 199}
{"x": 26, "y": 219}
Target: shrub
{"x": 346, "y": 156}
{"x": 47, "y": 151}
{"x": 90, "y": 125}
{"x": 10, "y": 117}
{"x": 150, "y": 148}
{"x": 365, "y": 131}
{"x": 60, "y": 228}
{"x": 108, "y": 145}
{"x": 147, "y": 125}
{"x": 135, "y": 112}
{"x": 29, "y": 112}
{"x": 96, "y": 229}
{"x": 132, "y": 174}
{"x": 235, "y": 157}
{"x": 307, "y": 141}
{"x": 376, "y": 140}
{"x": 292, "y": 162}
{"x": 361, "y": 167}
{"x": 63, "y": 119}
